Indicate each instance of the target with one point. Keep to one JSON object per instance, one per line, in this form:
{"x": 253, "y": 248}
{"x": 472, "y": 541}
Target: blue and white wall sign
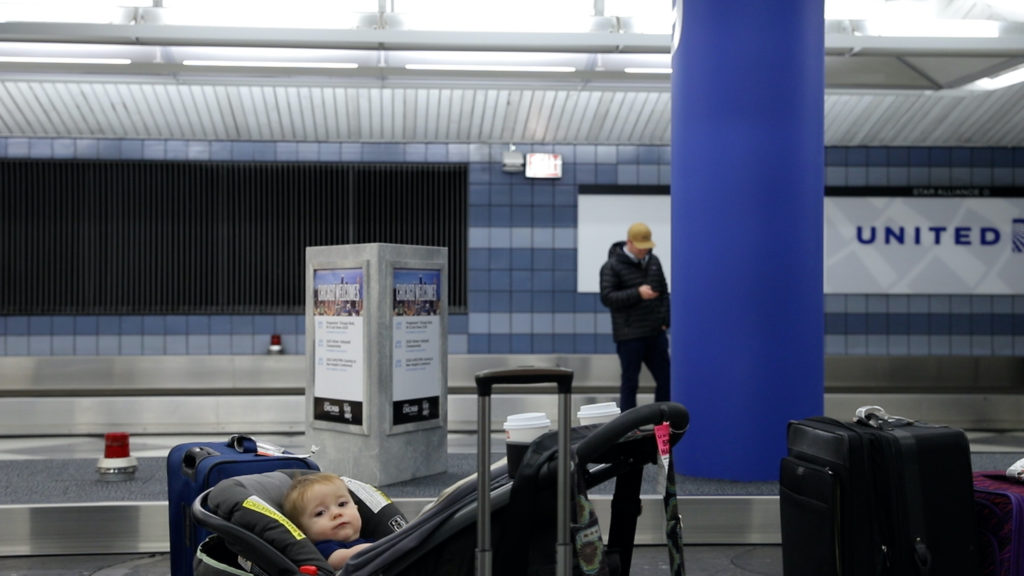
{"x": 934, "y": 243}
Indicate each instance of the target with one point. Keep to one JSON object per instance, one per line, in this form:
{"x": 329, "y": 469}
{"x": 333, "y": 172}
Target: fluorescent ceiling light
{"x": 998, "y": 81}
{"x": 62, "y": 60}
{"x": 932, "y": 28}
{"x": 489, "y": 68}
{"x": 638, "y": 70}
{"x": 270, "y": 64}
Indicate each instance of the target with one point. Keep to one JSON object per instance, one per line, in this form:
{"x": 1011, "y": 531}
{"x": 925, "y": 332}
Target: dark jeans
{"x": 651, "y": 351}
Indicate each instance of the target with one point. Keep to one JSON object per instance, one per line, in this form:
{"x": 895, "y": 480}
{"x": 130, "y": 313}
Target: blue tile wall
{"x": 522, "y": 255}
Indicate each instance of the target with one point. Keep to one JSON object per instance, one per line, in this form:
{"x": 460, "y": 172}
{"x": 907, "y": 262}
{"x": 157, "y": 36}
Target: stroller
{"x": 442, "y": 539}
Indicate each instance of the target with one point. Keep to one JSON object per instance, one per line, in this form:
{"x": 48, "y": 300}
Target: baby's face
{"x": 331, "y": 514}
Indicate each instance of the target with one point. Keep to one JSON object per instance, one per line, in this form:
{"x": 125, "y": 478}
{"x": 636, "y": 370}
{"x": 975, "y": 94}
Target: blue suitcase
{"x": 193, "y": 467}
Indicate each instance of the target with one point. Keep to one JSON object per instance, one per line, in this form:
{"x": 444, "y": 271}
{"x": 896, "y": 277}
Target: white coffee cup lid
{"x": 527, "y": 420}
{"x": 598, "y": 410}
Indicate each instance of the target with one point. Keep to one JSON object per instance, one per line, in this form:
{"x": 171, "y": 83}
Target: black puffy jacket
{"x": 632, "y": 316}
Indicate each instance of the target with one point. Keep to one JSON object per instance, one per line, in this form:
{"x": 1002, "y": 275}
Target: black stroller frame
{"x": 443, "y": 537}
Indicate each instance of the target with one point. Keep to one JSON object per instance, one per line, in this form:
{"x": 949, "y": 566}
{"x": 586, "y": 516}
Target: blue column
{"x": 747, "y": 230}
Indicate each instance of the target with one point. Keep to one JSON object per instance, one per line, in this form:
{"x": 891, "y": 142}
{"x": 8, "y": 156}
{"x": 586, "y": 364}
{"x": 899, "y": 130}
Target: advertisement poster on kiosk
{"x": 338, "y": 339}
{"x": 416, "y": 346}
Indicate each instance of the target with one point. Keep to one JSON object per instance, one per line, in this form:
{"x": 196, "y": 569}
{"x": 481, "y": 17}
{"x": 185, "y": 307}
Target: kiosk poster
{"x": 338, "y": 337}
{"x": 416, "y": 377}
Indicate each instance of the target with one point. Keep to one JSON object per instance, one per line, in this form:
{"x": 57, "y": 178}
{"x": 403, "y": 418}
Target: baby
{"x": 320, "y": 505}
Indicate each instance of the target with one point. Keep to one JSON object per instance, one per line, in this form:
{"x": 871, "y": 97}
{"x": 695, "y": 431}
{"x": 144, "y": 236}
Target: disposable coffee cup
{"x": 520, "y": 430}
{"x": 598, "y": 413}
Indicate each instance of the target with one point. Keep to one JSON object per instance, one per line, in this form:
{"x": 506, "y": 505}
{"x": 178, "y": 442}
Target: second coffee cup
{"x": 520, "y": 430}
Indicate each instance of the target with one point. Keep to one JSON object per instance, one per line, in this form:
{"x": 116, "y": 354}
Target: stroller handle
{"x": 524, "y": 375}
{"x": 674, "y": 413}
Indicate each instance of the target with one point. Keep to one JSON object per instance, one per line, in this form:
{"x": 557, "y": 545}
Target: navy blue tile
{"x": 543, "y": 259}
{"x": 521, "y": 194}
{"x": 154, "y": 325}
{"x": 960, "y": 324}
{"x": 501, "y": 216}
{"x": 878, "y": 157}
{"x": 543, "y": 343}
{"x": 565, "y": 280}
{"x": 500, "y": 258}
{"x": 835, "y": 323}
{"x": 877, "y": 324}
{"x": 920, "y": 157}
{"x": 220, "y": 324}
{"x": 17, "y": 325}
{"x": 856, "y": 156}
{"x": 606, "y": 174}
{"x": 564, "y": 345}
{"x": 565, "y": 259}
{"x": 856, "y": 323}
{"x": 565, "y": 195}
{"x": 940, "y": 156}
{"x": 501, "y": 279}
{"x": 1002, "y": 158}
{"x": 479, "y": 258}
{"x": 199, "y": 324}
{"x": 543, "y": 281}
{"x": 939, "y": 324}
{"x": 584, "y": 344}
{"x": 108, "y": 325}
{"x": 565, "y": 302}
{"x": 981, "y": 157}
{"x": 899, "y": 324}
{"x": 479, "y": 216}
{"x": 522, "y": 301}
{"x": 522, "y": 259}
{"x": 500, "y": 301}
{"x": 960, "y": 157}
{"x": 588, "y": 302}
{"x": 40, "y": 325}
{"x": 1018, "y": 324}
{"x": 981, "y": 324}
{"x": 835, "y": 156}
{"x": 543, "y": 195}
{"x": 1002, "y": 324}
{"x": 919, "y": 324}
{"x": 131, "y": 325}
{"x": 263, "y": 324}
{"x": 176, "y": 325}
{"x": 543, "y": 301}
{"x": 543, "y": 216}
{"x": 648, "y": 154}
{"x": 564, "y": 218}
{"x": 522, "y": 216}
{"x": 501, "y": 195}
{"x": 479, "y": 301}
{"x": 86, "y": 325}
{"x": 480, "y": 280}
{"x": 479, "y": 173}
{"x": 898, "y": 156}
{"x": 479, "y": 344}
{"x": 500, "y": 344}
{"x": 63, "y": 325}
{"x": 479, "y": 195}
{"x": 521, "y": 344}
{"x": 458, "y": 323}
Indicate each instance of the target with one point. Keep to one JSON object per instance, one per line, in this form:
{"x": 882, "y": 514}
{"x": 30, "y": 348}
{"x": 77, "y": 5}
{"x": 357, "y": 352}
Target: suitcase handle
{"x": 524, "y": 375}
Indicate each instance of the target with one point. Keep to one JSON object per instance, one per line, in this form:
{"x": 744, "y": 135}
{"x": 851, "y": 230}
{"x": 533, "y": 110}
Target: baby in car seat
{"x": 321, "y": 506}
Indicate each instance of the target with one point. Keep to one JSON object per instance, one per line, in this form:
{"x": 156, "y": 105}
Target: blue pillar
{"x": 747, "y": 230}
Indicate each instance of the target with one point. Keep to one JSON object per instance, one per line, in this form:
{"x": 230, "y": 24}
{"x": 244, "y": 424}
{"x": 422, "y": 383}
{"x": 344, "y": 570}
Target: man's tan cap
{"x": 640, "y": 236}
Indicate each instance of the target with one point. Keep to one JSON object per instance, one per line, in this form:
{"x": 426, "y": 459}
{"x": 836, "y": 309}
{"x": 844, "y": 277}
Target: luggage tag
{"x": 662, "y": 432}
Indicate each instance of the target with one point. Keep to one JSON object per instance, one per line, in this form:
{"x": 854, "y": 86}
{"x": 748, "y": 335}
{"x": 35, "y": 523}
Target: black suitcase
{"x": 878, "y": 496}
{"x": 193, "y": 467}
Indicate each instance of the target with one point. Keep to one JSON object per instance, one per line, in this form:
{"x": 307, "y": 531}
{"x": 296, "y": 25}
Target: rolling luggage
{"x": 879, "y": 496}
{"x": 999, "y": 512}
{"x": 193, "y": 467}
{"x": 485, "y": 381}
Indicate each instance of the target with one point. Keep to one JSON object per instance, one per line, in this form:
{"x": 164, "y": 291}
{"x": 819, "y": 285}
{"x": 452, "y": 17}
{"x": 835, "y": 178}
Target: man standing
{"x": 633, "y": 286}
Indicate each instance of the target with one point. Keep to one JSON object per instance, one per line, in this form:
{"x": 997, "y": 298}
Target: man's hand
{"x": 647, "y": 293}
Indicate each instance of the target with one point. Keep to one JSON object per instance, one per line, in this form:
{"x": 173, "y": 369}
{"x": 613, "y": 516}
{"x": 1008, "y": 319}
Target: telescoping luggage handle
{"x": 485, "y": 381}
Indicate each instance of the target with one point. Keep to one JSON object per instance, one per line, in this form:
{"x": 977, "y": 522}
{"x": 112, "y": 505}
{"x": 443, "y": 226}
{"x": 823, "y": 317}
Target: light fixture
{"x": 63, "y": 60}
{"x": 997, "y": 81}
{"x": 646, "y": 70}
{"x": 270, "y": 64}
{"x": 489, "y": 68}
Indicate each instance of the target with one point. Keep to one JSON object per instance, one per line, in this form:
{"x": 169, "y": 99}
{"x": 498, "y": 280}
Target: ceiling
{"x": 881, "y": 91}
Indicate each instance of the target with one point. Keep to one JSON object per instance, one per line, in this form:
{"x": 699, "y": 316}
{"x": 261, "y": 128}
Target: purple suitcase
{"x": 999, "y": 514}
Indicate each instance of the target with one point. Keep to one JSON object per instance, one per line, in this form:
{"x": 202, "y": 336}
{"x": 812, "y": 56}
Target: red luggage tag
{"x": 661, "y": 434}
